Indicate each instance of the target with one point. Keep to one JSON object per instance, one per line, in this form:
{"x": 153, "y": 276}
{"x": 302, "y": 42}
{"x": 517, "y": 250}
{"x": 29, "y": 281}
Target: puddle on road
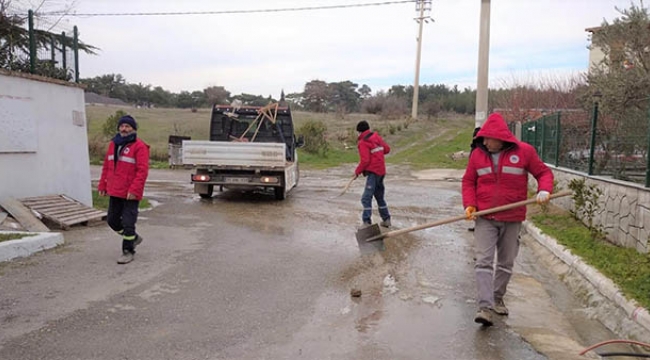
{"x": 431, "y": 270}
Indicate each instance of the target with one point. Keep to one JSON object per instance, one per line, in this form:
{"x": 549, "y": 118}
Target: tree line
{"x": 347, "y": 97}
{"x": 317, "y": 96}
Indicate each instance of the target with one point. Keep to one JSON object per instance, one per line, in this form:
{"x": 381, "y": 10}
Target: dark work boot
{"x": 500, "y": 307}
{"x": 126, "y": 258}
{"x": 484, "y": 317}
{"x": 138, "y": 240}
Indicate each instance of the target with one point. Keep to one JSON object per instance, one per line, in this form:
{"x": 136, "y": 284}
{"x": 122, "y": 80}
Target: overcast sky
{"x": 262, "y": 53}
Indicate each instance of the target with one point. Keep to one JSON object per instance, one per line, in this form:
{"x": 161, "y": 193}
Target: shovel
{"x": 371, "y": 238}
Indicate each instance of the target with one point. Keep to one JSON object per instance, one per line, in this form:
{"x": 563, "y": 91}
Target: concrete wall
{"x": 43, "y": 138}
{"x": 624, "y": 208}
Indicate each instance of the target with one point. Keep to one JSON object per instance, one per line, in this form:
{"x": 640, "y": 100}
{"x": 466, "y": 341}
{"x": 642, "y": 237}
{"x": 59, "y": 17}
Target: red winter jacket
{"x": 372, "y": 149}
{"x": 484, "y": 187}
{"x": 130, "y": 173}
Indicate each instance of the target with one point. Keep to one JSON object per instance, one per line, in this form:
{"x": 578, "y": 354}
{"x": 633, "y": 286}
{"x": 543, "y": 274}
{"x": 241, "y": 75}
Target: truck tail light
{"x": 200, "y": 178}
{"x": 269, "y": 179}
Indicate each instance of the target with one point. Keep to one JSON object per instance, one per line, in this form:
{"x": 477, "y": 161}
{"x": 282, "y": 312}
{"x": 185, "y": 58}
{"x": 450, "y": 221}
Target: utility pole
{"x": 483, "y": 64}
{"x": 422, "y": 6}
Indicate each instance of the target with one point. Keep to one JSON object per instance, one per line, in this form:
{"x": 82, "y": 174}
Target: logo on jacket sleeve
{"x": 514, "y": 159}
{"x": 126, "y": 151}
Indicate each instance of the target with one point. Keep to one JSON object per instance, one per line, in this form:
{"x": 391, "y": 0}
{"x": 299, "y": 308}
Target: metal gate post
{"x": 592, "y": 146}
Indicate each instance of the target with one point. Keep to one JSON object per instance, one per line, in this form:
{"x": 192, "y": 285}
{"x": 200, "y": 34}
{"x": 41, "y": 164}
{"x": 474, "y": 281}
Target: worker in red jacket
{"x": 372, "y": 149}
{"x": 497, "y": 174}
{"x": 124, "y": 174}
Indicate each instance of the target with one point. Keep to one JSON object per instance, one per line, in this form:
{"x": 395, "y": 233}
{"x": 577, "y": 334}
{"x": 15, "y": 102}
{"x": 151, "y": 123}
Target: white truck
{"x": 249, "y": 148}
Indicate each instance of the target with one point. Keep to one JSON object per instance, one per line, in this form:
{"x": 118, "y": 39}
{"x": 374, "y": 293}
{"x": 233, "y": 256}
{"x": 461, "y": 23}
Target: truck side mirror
{"x": 300, "y": 142}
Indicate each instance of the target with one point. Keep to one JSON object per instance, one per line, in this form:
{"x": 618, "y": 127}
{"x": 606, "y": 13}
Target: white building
{"x": 43, "y": 138}
{"x": 596, "y": 54}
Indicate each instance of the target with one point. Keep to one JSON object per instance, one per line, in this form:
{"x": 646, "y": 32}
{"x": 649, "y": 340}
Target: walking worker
{"x": 372, "y": 165}
{"x": 124, "y": 173}
{"x": 497, "y": 174}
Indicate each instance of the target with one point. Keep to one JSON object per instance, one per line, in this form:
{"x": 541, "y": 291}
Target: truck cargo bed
{"x": 240, "y": 154}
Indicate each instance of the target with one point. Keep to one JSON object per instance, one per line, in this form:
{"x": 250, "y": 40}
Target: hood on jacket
{"x": 495, "y": 127}
{"x": 362, "y": 135}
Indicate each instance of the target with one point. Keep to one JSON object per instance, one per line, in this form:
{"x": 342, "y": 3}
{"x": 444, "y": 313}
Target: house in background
{"x": 596, "y": 54}
{"x": 617, "y": 53}
{"x": 43, "y": 138}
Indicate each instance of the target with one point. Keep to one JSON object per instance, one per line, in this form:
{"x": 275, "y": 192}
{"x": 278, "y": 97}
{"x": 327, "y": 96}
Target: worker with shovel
{"x": 497, "y": 174}
{"x": 372, "y": 149}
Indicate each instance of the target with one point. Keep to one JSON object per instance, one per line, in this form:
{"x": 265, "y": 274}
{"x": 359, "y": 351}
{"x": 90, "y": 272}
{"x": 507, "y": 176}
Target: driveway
{"x": 242, "y": 276}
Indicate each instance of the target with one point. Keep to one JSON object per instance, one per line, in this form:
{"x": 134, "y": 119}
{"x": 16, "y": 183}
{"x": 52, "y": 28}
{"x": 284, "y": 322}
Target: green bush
{"x": 110, "y": 125}
{"x": 585, "y": 199}
{"x": 314, "y": 133}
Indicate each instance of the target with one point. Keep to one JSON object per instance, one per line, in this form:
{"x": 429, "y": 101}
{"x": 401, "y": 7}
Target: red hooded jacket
{"x": 372, "y": 149}
{"x": 129, "y": 174}
{"x": 485, "y": 187}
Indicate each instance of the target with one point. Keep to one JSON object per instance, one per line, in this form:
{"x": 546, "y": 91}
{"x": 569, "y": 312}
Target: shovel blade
{"x": 366, "y": 233}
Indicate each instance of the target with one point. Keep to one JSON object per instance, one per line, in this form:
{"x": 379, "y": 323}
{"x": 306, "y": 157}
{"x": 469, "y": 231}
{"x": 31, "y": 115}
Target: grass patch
{"x": 422, "y": 153}
{"x": 152, "y": 164}
{"x": 436, "y": 153}
{"x": 412, "y": 142}
{"x": 101, "y": 202}
{"x": 13, "y": 236}
{"x": 627, "y": 268}
{"x": 334, "y": 157}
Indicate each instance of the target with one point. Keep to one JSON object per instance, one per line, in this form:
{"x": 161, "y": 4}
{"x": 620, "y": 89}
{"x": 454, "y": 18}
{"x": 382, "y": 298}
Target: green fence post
{"x": 535, "y": 135}
{"x": 557, "y": 139}
{"x": 647, "y": 154}
{"x": 543, "y": 134}
{"x": 76, "y": 54}
{"x": 63, "y": 56}
{"x": 32, "y": 43}
{"x": 53, "y": 55}
{"x": 592, "y": 146}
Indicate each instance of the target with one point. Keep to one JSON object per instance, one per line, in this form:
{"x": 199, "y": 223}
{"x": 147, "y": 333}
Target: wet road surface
{"x": 242, "y": 276}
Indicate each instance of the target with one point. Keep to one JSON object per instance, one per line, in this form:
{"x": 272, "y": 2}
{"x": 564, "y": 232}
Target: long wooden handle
{"x": 464, "y": 217}
{"x": 347, "y": 186}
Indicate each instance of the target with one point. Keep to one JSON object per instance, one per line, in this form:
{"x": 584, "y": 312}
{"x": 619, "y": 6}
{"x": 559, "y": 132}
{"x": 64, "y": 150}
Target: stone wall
{"x": 624, "y": 208}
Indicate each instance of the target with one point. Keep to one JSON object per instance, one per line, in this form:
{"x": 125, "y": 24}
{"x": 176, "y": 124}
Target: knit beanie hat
{"x": 363, "y": 126}
{"x": 127, "y": 119}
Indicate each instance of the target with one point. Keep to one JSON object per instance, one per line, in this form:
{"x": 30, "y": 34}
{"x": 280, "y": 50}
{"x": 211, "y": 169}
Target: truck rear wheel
{"x": 279, "y": 193}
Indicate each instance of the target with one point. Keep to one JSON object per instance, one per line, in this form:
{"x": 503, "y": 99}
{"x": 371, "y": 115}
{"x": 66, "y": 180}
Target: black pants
{"x": 122, "y": 216}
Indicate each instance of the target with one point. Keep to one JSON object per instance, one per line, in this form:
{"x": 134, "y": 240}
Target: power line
{"x": 222, "y": 12}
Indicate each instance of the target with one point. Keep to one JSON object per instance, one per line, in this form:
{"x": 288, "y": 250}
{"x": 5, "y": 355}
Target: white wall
{"x": 43, "y": 138}
{"x": 596, "y": 56}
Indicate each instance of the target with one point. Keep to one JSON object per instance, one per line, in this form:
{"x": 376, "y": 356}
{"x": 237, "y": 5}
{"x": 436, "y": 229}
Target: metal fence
{"x": 596, "y": 143}
{"x": 40, "y": 52}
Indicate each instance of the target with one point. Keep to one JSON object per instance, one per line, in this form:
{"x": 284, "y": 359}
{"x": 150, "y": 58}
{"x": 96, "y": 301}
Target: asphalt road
{"x": 242, "y": 276}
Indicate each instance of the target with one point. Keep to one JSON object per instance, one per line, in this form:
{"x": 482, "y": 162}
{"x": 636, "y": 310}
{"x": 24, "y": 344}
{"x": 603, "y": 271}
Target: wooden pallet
{"x": 62, "y": 210}
{"x": 23, "y": 215}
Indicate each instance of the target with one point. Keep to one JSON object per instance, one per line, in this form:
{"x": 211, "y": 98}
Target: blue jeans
{"x": 374, "y": 187}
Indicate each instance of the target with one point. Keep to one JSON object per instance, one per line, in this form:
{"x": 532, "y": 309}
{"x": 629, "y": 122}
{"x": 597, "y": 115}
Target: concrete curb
{"x": 26, "y": 246}
{"x": 604, "y": 285}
